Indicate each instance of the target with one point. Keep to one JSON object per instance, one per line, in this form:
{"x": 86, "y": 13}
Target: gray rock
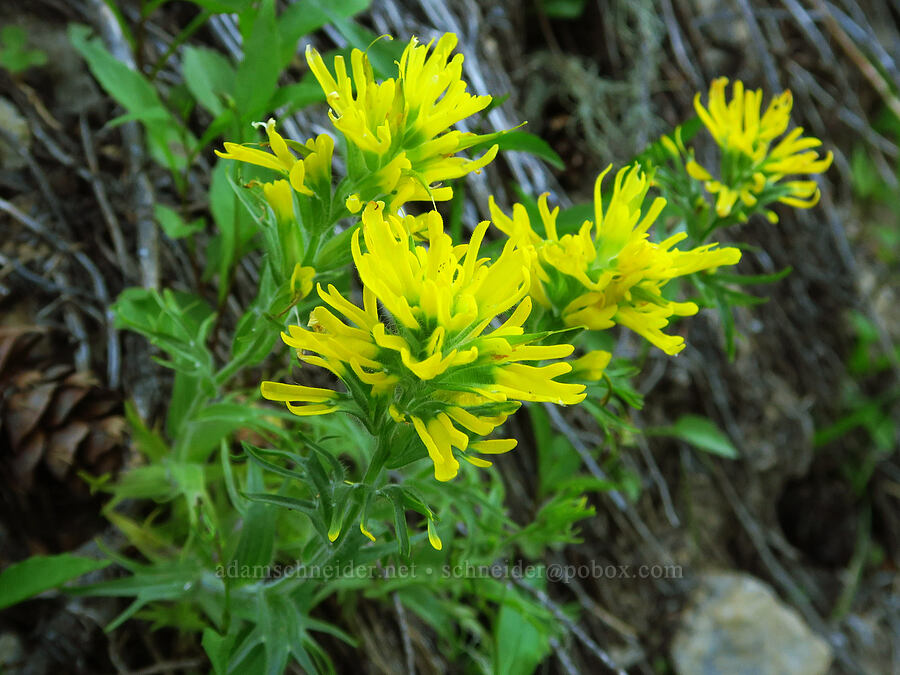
{"x": 736, "y": 625}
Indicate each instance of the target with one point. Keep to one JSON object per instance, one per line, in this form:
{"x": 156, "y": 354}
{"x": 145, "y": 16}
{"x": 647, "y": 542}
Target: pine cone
{"x": 52, "y": 416}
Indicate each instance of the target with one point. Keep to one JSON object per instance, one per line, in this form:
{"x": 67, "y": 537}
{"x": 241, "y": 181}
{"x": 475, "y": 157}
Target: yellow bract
{"x": 610, "y": 272}
{"x": 281, "y": 158}
{"x": 592, "y": 365}
{"x": 309, "y": 174}
{"x": 438, "y": 301}
{"x": 750, "y": 164}
{"x": 280, "y": 197}
{"x": 301, "y": 281}
{"x": 401, "y": 125}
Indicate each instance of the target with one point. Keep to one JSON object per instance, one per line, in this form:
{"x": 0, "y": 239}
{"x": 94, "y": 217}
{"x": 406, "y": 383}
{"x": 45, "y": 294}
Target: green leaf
{"x": 188, "y": 390}
{"x": 14, "y": 56}
{"x": 257, "y": 542}
{"x": 214, "y": 422}
{"x": 150, "y": 542}
{"x": 302, "y": 505}
{"x": 176, "y": 580}
{"x": 521, "y": 642}
{"x": 190, "y": 477}
{"x": 336, "y": 251}
{"x": 298, "y": 95}
{"x": 702, "y": 433}
{"x": 747, "y": 279}
{"x": 168, "y": 139}
{"x": 176, "y": 322}
{"x": 223, "y": 6}
{"x": 522, "y": 141}
{"x": 558, "y": 462}
{"x": 151, "y": 481}
{"x": 174, "y": 225}
{"x": 257, "y": 75}
{"x": 236, "y": 225}
{"x": 303, "y": 18}
{"x": 209, "y": 76}
{"x": 41, "y": 573}
{"x": 400, "y": 527}
{"x": 256, "y": 457}
{"x": 217, "y": 648}
{"x": 256, "y": 330}
{"x": 253, "y": 338}
{"x": 149, "y": 115}
{"x": 149, "y": 442}
{"x": 563, "y": 9}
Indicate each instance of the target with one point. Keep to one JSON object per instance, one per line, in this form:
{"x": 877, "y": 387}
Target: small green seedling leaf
{"x": 14, "y": 55}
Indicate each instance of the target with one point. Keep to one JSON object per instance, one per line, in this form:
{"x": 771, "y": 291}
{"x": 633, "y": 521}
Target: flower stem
{"x": 382, "y": 450}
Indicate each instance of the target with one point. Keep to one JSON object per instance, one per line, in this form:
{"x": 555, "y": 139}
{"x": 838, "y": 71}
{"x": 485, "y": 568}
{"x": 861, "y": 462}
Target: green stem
{"x": 382, "y": 450}
{"x": 715, "y": 224}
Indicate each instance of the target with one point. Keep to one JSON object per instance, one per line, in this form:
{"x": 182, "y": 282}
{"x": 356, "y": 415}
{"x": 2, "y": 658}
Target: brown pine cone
{"x": 53, "y": 416}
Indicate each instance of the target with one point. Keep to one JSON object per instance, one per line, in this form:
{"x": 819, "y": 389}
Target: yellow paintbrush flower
{"x": 311, "y": 168}
{"x": 427, "y": 359}
{"x": 280, "y": 197}
{"x": 751, "y": 169}
{"x": 609, "y": 272}
{"x": 399, "y": 127}
{"x": 592, "y": 365}
{"x": 281, "y": 159}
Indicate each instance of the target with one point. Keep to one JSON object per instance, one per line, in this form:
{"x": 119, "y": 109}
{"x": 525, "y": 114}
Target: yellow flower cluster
{"x": 399, "y": 127}
{"x": 309, "y": 174}
{"x": 751, "y": 169}
{"x": 609, "y": 272}
{"x": 428, "y": 361}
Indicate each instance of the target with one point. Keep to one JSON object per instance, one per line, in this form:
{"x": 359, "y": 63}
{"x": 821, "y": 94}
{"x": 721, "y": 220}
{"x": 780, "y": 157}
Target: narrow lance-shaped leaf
{"x": 25, "y": 579}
